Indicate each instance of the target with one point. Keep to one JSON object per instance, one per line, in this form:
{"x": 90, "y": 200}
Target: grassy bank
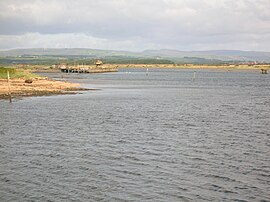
{"x": 16, "y": 73}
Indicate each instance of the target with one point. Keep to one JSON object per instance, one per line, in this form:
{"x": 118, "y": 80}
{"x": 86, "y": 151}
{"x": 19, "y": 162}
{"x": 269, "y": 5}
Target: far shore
{"x": 113, "y": 67}
{"x": 197, "y": 66}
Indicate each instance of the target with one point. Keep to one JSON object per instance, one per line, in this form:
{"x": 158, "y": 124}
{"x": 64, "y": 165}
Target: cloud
{"x": 69, "y": 40}
{"x": 177, "y": 24}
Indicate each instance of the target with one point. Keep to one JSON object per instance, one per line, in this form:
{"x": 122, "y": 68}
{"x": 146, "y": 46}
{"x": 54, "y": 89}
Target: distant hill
{"x": 163, "y": 55}
{"x": 224, "y": 55}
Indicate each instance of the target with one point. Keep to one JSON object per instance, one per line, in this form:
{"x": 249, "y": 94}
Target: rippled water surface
{"x": 155, "y": 137}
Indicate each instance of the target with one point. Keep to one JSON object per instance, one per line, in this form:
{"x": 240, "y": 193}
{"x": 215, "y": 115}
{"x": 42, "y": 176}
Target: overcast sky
{"x": 136, "y": 25}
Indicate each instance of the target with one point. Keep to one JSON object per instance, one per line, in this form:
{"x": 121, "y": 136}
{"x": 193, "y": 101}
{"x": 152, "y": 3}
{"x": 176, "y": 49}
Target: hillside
{"x": 43, "y": 56}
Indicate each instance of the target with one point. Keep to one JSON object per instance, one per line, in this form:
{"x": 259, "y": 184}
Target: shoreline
{"x": 193, "y": 66}
{"x": 114, "y": 67}
{"x": 41, "y": 86}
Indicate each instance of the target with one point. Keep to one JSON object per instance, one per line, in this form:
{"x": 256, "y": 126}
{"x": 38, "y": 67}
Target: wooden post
{"x": 9, "y": 91}
{"x": 194, "y": 76}
{"x": 264, "y": 71}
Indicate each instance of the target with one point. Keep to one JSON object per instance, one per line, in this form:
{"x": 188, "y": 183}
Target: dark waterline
{"x": 155, "y": 137}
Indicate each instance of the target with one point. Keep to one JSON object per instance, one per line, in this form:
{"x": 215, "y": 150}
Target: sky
{"x": 136, "y": 25}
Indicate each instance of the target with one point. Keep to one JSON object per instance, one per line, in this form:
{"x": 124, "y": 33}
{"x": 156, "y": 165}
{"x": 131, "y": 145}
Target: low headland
{"x": 22, "y": 83}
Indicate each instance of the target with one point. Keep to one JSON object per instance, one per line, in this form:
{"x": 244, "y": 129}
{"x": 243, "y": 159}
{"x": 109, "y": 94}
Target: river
{"x": 156, "y": 136}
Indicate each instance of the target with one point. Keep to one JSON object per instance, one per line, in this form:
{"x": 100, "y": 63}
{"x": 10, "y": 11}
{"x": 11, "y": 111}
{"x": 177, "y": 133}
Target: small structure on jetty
{"x": 98, "y": 63}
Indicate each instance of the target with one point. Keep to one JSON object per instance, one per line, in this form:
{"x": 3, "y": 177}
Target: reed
{"x": 15, "y": 73}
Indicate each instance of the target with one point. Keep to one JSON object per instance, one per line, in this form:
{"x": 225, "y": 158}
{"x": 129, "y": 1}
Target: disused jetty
{"x": 87, "y": 69}
{"x": 99, "y": 67}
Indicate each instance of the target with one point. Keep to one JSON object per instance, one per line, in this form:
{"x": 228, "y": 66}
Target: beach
{"x": 39, "y": 86}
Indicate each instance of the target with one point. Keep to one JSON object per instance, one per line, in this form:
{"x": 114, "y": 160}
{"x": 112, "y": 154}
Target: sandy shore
{"x": 195, "y": 66}
{"x": 39, "y": 86}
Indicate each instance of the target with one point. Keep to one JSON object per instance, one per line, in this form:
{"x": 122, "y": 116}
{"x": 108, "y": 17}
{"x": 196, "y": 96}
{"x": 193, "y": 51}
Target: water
{"x": 160, "y": 137}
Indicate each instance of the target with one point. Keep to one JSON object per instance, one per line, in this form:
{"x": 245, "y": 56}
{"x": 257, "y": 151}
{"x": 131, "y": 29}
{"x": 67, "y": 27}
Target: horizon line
{"x": 164, "y": 49}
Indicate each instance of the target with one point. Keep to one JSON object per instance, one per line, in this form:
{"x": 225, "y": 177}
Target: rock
{"x": 28, "y": 81}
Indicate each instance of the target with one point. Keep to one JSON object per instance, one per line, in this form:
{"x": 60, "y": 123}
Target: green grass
{"x": 15, "y": 73}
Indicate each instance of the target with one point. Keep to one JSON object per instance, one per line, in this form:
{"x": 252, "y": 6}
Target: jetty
{"x": 86, "y": 69}
{"x": 99, "y": 67}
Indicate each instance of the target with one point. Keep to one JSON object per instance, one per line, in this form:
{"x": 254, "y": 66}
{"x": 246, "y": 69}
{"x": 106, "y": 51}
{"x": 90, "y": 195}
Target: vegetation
{"x": 51, "y": 60}
{"x": 134, "y": 60}
{"x": 90, "y": 60}
{"x": 88, "y": 57}
{"x": 15, "y": 73}
{"x": 172, "y": 55}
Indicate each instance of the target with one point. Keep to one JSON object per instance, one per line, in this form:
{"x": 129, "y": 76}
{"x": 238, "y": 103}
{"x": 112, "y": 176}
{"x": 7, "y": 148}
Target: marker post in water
{"x": 194, "y": 76}
{"x": 147, "y": 72}
{"x": 9, "y": 91}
